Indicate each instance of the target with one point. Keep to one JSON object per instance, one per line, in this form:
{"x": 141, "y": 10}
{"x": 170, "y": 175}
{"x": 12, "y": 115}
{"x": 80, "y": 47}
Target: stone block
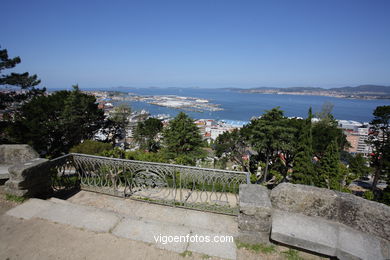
{"x": 355, "y": 212}
{"x": 29, "y": 179}
{"x": 16, "y": 153}
{"x": 36, "y": 168}
{"x": 250, "y": 237}
{"x": 254, "y": 219}
{"x": 305, "y": 232}
{"x": 325, "y": 237}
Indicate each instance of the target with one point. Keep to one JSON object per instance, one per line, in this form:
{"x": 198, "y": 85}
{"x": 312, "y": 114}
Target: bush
{"x": 91, "y": 147}
{"x": 369, "y": 195}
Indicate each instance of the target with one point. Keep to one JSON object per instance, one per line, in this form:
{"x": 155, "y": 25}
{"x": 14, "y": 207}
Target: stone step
{"x": 126, "y": 225}
{"x": 218, "y": 223}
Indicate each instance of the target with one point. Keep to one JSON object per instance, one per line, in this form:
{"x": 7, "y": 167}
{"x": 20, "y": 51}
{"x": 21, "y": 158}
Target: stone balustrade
{"x": 319, "y": 220}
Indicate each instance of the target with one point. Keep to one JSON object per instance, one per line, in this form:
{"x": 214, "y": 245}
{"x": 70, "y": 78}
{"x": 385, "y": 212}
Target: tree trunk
{"x": 376, "y": 178}
{"x": 266, "y": 168}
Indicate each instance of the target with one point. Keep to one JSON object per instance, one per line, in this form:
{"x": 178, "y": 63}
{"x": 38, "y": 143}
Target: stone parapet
{"x": 29, "y": 179}
{"x": 355, "y": 212}
{"x": 254, "y": 219}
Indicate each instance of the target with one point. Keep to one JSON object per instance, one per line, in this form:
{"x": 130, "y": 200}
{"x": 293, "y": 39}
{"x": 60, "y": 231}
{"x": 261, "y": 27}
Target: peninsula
{"x": 359, "y": 92}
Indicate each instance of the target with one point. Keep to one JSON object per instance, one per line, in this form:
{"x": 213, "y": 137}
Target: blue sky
{"x": 203, "y": 43}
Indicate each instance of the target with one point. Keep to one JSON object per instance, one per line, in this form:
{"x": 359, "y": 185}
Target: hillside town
{"x": 356, "y": 132}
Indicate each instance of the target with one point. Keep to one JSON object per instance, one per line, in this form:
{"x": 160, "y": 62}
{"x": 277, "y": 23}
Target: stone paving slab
{"x": 166, "y": 214}
{"x": 30, "y": 208}
{"x": 213, "y": 248}
{"x": 146, "y": 228}
{"x": 80, "y": 216}
{"x": 148, "y": 231}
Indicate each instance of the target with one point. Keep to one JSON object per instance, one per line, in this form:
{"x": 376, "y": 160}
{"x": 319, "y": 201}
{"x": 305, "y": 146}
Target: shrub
{"x": 91, "y": 147}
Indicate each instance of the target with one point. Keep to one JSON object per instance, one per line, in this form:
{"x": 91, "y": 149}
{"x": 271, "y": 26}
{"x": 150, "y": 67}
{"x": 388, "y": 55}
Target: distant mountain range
{"x": 359, "y": 92}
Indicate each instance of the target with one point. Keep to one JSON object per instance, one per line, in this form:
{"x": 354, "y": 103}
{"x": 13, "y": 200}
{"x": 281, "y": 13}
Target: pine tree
{"x": 12, "y": 99}
{"x": 270, "y": 136}
{"x": 146, "y": 132}
{"x": 303, "y": 169}
{"x": 329, "y": 168}
{"x": 182, "y": 140}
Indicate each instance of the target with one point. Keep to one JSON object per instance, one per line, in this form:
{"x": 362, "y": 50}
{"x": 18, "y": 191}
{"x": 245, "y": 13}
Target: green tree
{"x": 379, "y": 138}
{"x": 326, "y": 130}
{"x": 358, "y": 166}
{"x": 329, "y": 175}
{"x": 11, "y": 99}
{"x": 233, "y": 146}
{"x": 182, "y": 140}
{"x": 270, "y": 136}
{"x": 146, "y": 133}
{"x": 303, "y": 170}
{"x": 117, "y": 122}
{"x": 91, "y": 147}
{"x": 53, "y": 124}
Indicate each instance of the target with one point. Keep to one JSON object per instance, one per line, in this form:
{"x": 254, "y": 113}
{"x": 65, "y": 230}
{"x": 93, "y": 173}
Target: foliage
{"x": 358, "y": 166}
{"x": 385, "y": 195}
{"x": 303, "y": 171}
{"x": 326, "y": 130}
{"x": 329, "y": 168}
{"x": 115, "y": 125}
{"x": 135, "y": 155}
{"x": 146, "y": 133}
{"x": 14, "y": 198}
{"x": 369, "y": 195}
{"x": 186, "y": 253}
{"x": 292, "y": 254}
{"x": 182, "y": 140}
{"x": 266, "y": 249}
{"x": 233, "y": 146}
{"x": 91, "y": 147}
{"x": 53, "y": 124}
{"x": 120, "y": 114}
{"x": 272, "y": 136}
{"x": 379, "y": 138}
{"x": 11, "y": 100}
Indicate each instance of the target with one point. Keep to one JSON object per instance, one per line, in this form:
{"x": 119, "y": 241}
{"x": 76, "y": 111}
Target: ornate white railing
{"x": 177, "y": 185}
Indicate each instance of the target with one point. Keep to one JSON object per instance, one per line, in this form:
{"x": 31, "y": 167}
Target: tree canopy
{"x": 55, "y": 123}
{"x": 146, "y": 132}
{"x": 182, "y": 140}
{"x": 272, "y": 137}
{"x": 233, "y": 146}
{"x": 21, "y": 87}
{"x": 379, "y": 138}
{"x": 303, "y": 171}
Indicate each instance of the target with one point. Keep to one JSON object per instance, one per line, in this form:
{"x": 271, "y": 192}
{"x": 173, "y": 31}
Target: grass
{"x": 265, "y": 249}
{"x": 186, "y": 253}
{"x": 205, "y": 256}
{"x": 14, "y": 198}
{"x": 292, "y": 254}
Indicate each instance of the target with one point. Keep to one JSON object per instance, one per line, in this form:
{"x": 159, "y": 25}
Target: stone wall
{"x": 254, "y": 220}
{"x": 16, "y": 153}
{"x": 319, "y": 220}
{"x": 29, "y": 179}
{"x": 355, "y": 212}
{"x": 11, "y": 154}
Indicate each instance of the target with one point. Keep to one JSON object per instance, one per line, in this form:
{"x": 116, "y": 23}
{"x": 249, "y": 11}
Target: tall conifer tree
{"x": 329, "y": 168}
{"x": 303, "y": 169}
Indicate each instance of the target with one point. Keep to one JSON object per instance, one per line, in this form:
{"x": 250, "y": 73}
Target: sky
{"x": 199, "y": 43}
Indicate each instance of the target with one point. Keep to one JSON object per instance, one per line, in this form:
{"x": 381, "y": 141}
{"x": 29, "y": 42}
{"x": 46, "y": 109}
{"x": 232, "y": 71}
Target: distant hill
{"x": 359, "y": 92}
{"x": 364, "y": 88}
